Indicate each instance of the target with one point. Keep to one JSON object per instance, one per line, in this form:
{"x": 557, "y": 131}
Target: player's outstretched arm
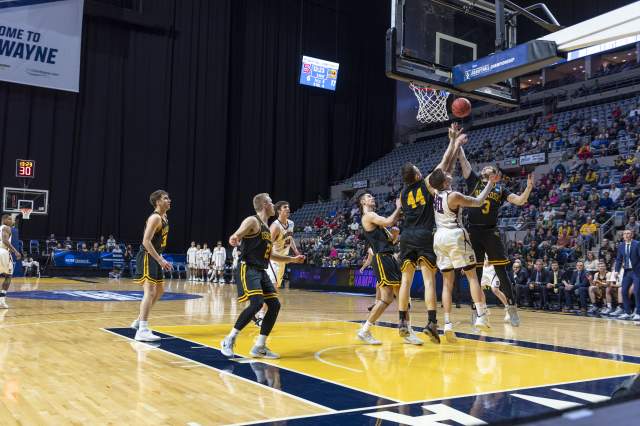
{"x": 248, "y": 226}
{"x": 373, "y": 218}
{"x": 153, "y": 223}
{"x": 287, "y": 259}
{"x": 457, "y": 199}
{"x": 521, "y": 200}
{"x": 464, "y": 163}
{"x": 455, "y": 135}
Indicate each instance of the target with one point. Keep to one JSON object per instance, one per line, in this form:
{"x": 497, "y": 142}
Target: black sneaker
{"x": 431, "y": 330}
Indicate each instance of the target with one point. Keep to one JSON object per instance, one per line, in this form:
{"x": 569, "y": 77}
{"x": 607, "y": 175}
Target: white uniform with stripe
{"x": 219, "y": 258}
{"x": 191, "y": 257}
{"x": 206, "y": 258}
{"x": 451, "y": 240}
{"x": 6, "y": 261}
{"x": 281, "y": 246}
{"x": 489, "y": 278}
{"x": 236, "y": 255}
{"x": 200, "y": 259}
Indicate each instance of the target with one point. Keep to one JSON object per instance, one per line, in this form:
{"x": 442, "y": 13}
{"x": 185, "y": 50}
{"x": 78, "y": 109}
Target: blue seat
{"x": 34, "y": 247}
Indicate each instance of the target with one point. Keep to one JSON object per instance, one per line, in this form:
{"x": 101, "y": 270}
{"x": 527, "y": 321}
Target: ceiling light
{"x": 615, "y": 57}
{"x": 529, "y": 80}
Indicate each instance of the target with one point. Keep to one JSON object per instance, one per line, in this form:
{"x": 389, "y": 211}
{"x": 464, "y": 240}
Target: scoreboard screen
{"x": 25, "y": 169}
{"x": 319, "y": 73}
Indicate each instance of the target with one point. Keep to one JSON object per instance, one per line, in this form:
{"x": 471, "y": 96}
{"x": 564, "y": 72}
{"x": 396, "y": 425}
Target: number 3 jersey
{"x": 485, "y": 216}
{"x": 159, "y": 239}
{"x": 255, "y": 249}
{"x": 417, "y": 206}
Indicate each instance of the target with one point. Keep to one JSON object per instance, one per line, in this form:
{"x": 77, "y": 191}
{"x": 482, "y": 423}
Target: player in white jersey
{"x": 219, "y": 259}
{"x": 206, "y": 261}
{"x": 282, "y": 237}
{"x": 6, "y": 261}
{"x": 235, "y": 254}
{"x": 451, "y": 243}
{"x": 199, "y": 263}
{"x": 491, "y": 281}
{"x": 191, "y": 261}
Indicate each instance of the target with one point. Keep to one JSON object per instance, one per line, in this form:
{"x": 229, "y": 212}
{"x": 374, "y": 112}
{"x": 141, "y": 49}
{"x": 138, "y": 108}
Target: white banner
{"x": 40, "y": 42}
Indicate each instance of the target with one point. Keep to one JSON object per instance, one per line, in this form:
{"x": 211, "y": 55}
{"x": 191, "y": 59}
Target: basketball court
{"x": 97, "y": 373}
{"x": 69, "y": 356}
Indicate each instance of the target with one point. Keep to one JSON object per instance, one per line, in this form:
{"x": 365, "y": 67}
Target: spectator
{"x": 584, "y": 152}
{"x": 115, "y": 273}
{"x": 599, "y": 283}
{"x": 628, "y": 262}
{"x": 602, "y": 216}
{"x": 51, "y": 243}
{"x": 606, "y": 201}
{"x": 578, "y": 284}
{"x": 95, "y": 248}
{"x": 111, "y": 243}
{"x": 591, "y": 263}
{"x": 308, "y": 229}
{"x": 615, "y": 192}
{"x": 633, "y": 225}
{"x": 31, "y": 267}
{"x": 84, "y": 248}
{"x": 68, "y": 244}
{"x": 588, "y": 232}
{"x": 591, "y": 177}
{"x": 537, "y": 283}
{"x": 102, "y": 245}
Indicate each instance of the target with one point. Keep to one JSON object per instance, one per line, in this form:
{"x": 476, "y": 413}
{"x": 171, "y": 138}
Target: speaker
{"x": 629, "y": 387}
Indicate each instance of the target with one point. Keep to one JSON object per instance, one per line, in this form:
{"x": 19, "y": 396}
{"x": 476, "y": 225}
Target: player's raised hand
{"x": 462, "y": 139}
{"x": 455, "y": 130}
{"x": 530, "y": 180}
{"x": 298, "y": 259}
{"x": 495, "y": 178}
{"x": 234, "y": 241}
{"x": 398, "y": 203}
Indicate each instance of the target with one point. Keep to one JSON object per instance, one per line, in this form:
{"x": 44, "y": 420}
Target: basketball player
{"x": 191, "y": 261}
{"x": 219, "y": 258}
{"x": 490, "y": 280}
{"x": 235, "y": 254}
{"x": 451, "y": 243}
{"x": 6, "y": 261}
{"x": 483, "y": 231}
{"x": 283, "y": 242}
{"x": 206, "y": 260}
{"x": 385, "y": 265}
{"x": 253, "y": 282}
{"x": 150, "y": 264}
{"x": 416, "y": 244}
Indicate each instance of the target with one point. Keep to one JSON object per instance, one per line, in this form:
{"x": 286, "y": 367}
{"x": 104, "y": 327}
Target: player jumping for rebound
{"x": 150, "y": 264}
{"x": 416, "y": 244}
{"x": 451, "y": 242}
{"x": 6, "y": 262}
{"x": 384, "y": 265}
{"x": 482, "y": 224}
{"x": 253, "y": 283}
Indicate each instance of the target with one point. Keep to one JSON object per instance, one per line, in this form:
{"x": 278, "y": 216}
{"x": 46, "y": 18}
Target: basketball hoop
{"x": 26, "y": 212}
{"x": 432, "y": 104}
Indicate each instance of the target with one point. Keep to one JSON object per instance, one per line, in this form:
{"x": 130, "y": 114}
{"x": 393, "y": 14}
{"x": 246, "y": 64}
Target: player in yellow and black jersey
{"x": 254, "y": 285}
{"x": 483, "y": 226}
{"x": 150, "y": 265}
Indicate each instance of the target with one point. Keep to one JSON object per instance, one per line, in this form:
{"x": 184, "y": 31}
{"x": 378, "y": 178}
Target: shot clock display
{"x": 25, "y": 169}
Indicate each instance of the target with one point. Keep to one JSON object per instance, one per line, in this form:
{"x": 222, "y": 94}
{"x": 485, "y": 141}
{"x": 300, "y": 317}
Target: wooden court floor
{"x": 67, "y": 357}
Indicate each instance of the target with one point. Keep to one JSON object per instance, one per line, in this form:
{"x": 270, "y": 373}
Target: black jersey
{"x": 380, "y": 240}
{"x": 485, "y": 216}
{"x": 255, "y": 250}
{"x": 417, "y": 206}
{"x": 159, "y": 239}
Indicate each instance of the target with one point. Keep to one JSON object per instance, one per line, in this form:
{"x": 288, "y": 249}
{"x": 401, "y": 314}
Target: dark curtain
{"x": 210, "y": 110}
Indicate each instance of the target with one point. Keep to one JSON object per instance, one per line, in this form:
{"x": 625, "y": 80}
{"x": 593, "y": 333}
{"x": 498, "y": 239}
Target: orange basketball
{"x": 461, "y": 107}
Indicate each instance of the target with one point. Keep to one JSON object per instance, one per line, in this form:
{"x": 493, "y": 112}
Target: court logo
{"x": 96, "y": 295}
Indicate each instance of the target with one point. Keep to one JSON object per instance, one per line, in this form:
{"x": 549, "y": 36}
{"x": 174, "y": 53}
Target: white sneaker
{"x": 135, "y": 324}
{"x": 605, "y": 311}
{"x": 449, "y": 334}
{"x": 482, "y": 323}
{"x": 223, "y": 282}
{"x": 412, "y": 338}
{"x": 619, "y": 311}
{"x": 368, "y": 338}
{"x": 624, "y": 317}
{"x": 146, "y": 336}
{"x": 3, "y": 305}
{"x": 263, "y": 352}
{"x": 635, "y": 317}
{"x": 226, "y": 346}
{"x": 507, "y": 318}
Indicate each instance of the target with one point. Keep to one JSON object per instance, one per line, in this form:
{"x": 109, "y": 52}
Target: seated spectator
{"x": 354, "y": 225}
{"x": 591, "y": 263}
{"x": 615, "y": 192}
{"x": 95, "y": 248}
{"x": 597, "y": 289}
{"x": 538, "y": 280}
{"x": 116, "y": 250}
{"x": 588, "y": 232}
{"x": 308, "y": 228}
{"x": 591, "y": 177}
{"x": 84, "y": 248}
{"x": 578, "y": 284}
{"x": 602, "y": 216}
{"x": 555, "y": 284}
{"x": 606, "y": 201}
{"x": 111, "y": 243}
{"x": 31, "y": 267}
{"x": 633, "y": 225}
{"x": 605, "y": 179}
{"x": 115, "y": 273}
{"x": 102, "y": 245}
{"x": 51, "y": 243}
{"x": 68, "y": 244}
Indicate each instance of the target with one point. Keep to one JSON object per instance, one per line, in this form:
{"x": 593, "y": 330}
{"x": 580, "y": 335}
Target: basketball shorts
{"x": 252, "y": 281}
{"x": 6, "y": 262}
{"x": 453, "y": 249}
{"x": 147, "y": 269}
{"x": 192, "y": 265}
{"x": 276, "y": 272}
{"x": 386, "y": 269}
{"x": 489, "y": 278}
{"x": 416, "y": 248}
{"x": 487, "y": 241}
{"x": 218, "y": 265}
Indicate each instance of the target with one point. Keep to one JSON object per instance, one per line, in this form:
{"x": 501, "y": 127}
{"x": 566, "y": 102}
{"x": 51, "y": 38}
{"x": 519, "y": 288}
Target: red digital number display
{"x": 25, "y": 168}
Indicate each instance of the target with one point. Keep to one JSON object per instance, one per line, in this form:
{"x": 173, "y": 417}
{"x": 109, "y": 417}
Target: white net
{"x": 26, "y": 212}
{"x": 432, "y": 104}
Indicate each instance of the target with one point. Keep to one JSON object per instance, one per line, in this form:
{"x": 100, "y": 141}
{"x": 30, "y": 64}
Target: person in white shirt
{"x": 6, "y": 261}
{"x": 111, "y": 243}
{"x": 206, "y": 261}
{"x": 236, "y": 256}
{"x": 219, "y": 259}
{"x": 615, "y": 192}
{"x": 282, "y": 237}
{"x": 191, "y": 261}
{"x": 199, "y": 264}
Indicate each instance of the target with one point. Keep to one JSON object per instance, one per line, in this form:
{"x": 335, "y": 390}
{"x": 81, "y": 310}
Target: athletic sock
{"x": 262, "y": 340}
{"x": 609, "y": 305}
{"x": 431, "y": 315}
{"x": 234, "y": 332}
{"x": 481, "y": 309}
{"x": 446, "y": 317}
{"x": 366, "y": 325}
{"x": 143, "y": 325}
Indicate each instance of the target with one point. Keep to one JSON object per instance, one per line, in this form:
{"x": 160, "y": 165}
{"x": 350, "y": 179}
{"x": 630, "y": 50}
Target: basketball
{"x": 461, "y": 107}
